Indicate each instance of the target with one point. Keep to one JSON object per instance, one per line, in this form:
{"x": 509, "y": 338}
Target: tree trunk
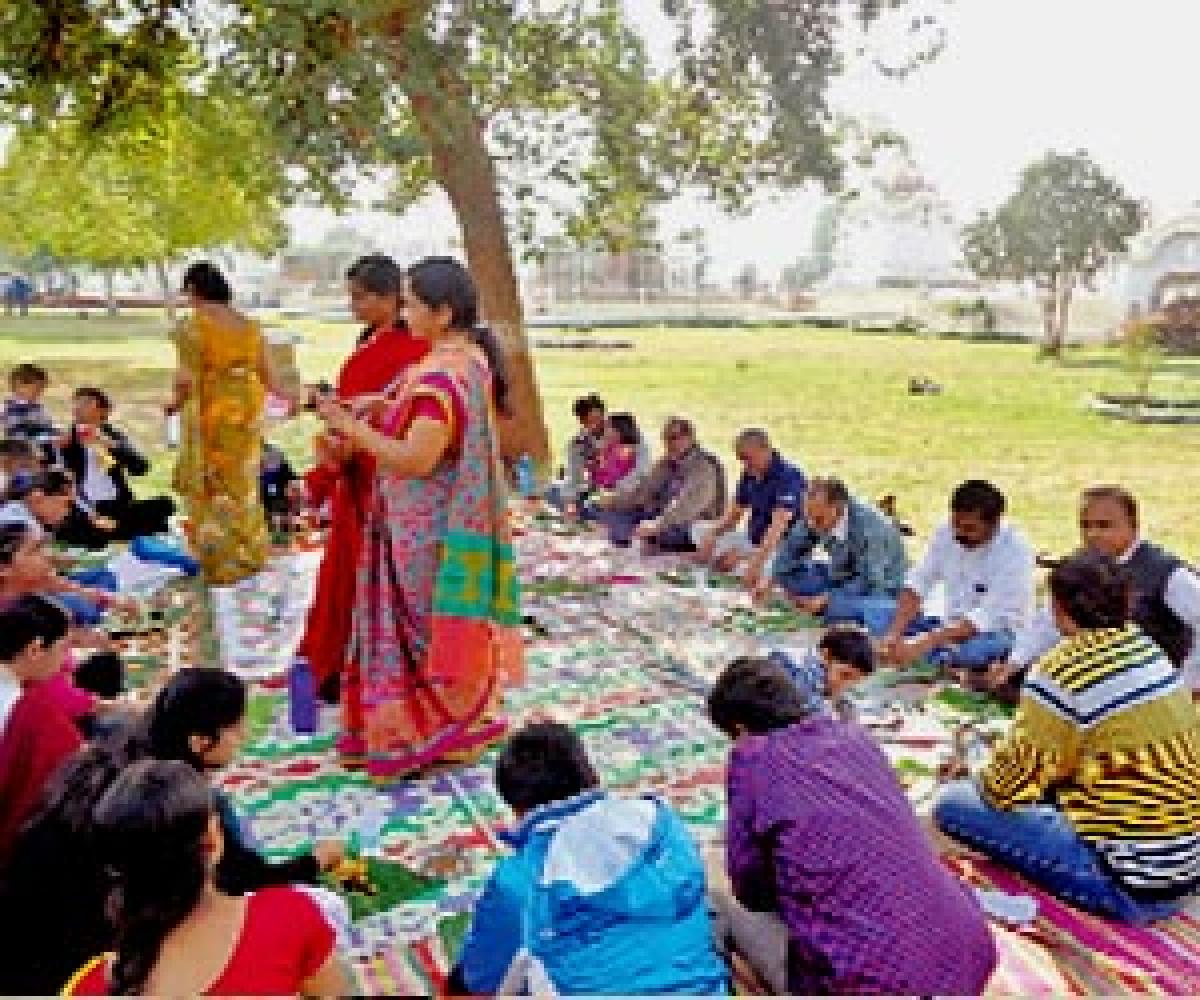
{"x": 1065, "y": 289}
{"x": 1051, "y": 332}
{"x": 168, "y": 290}
{"x": 110, "y": 295}
{"x": 464, "y": 169}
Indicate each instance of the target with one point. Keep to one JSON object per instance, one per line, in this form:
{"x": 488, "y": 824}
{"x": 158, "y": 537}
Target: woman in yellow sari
{"x": 220, "y": 394}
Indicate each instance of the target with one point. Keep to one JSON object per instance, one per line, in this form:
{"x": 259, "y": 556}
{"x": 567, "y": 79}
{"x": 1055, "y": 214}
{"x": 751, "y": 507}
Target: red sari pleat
{"x": 374, "y": 365}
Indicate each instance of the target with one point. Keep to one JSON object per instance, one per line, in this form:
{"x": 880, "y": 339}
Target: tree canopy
{"x": 531, "y": 115}
{"x": 190, "y": 178}
{"x": 1061, "y": 226}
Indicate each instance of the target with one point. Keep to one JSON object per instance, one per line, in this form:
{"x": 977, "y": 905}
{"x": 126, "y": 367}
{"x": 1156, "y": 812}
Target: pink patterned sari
{"x": 437, "y": 614}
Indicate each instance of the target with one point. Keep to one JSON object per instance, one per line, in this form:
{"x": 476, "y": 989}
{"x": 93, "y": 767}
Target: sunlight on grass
{"x": 834, "y": 402}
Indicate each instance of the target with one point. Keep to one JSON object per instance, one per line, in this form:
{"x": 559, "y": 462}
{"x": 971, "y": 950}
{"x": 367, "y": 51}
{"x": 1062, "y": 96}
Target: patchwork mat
{"x": 622, "y": 648}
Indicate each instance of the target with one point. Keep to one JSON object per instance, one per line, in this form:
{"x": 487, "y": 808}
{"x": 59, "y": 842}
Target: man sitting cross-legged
{"x": 602, "y": 895}
{"x": 986, "y": 566}
{"x": 1092, "y": 793}
{"x": 1166, "y": 593}
{"x": 686, "y": 485}
{"x": 583, "y": 452}
{"x": 102, "y": 458}
{"x": 769, "y": 495}
{"x": 833, "y": 886}
{"x": 866, "y": 565}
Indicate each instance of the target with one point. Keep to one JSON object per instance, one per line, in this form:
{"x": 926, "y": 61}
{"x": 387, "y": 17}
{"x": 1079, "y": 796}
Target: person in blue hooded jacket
{"x": 602, "y": 894}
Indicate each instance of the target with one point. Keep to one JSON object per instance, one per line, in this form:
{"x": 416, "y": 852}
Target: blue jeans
{"x": 622, "y": 524}
{"x": 848, "y": 602}
{"x": 1039, "y": 843}
{"x": 977, "y": 653}
{"x": 555, "y": 496}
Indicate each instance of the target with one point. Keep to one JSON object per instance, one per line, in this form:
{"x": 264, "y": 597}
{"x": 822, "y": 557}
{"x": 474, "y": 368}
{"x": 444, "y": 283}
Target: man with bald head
{"x": 866, "y": 562}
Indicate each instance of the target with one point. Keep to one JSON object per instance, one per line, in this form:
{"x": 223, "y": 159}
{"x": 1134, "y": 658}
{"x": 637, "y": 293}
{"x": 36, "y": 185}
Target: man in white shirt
{"x": 1166, "y": 591}
{"x": 986, "y": 567}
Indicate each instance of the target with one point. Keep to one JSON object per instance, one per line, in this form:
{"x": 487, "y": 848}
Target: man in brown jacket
{"x": 684, "y": 486}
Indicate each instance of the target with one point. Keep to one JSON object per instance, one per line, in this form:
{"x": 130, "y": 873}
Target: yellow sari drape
{"x": 221, "y": 444}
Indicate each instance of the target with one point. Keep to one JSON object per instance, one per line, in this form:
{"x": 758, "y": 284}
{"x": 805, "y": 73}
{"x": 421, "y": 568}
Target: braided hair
{"x": 152, "y": 826}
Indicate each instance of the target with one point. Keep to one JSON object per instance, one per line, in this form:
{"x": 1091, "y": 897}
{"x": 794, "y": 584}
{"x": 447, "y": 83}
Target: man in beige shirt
{"x": 686, "y": 485}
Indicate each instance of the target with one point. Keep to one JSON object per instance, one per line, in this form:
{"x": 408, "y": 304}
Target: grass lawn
{"x": 835, "y": 402}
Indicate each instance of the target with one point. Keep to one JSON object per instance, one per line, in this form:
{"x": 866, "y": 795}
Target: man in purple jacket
{"x": 820, "y": 833}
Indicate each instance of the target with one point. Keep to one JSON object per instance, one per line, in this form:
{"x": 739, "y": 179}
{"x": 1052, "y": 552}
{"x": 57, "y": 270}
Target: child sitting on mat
{"x": 199, "y": 716}
{"x": 603, "y": 894}
{"x": 36, "y": 737}
{"x": 843, "y": 658}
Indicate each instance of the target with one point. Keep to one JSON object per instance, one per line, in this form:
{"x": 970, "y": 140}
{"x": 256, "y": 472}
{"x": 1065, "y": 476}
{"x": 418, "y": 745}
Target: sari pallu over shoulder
{"x": 437, "y": 635}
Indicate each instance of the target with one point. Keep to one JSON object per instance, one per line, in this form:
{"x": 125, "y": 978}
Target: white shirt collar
{"x": 842, "y": 527}
{"x": 1125, "y": 556}
{"x": 10, "y": 692}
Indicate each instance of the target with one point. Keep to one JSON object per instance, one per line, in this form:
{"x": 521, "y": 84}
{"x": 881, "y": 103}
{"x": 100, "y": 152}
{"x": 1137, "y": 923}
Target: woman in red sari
{"x": 437, "y": 616}
{"x": 343, "y": 478}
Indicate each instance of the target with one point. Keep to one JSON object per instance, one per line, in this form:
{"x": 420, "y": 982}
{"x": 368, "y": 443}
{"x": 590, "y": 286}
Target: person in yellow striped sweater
{"x": 1094, "y": 794}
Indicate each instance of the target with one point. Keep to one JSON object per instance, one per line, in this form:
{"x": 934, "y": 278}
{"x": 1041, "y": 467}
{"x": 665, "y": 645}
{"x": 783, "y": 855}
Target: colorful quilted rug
{"x": 622, "y": 649}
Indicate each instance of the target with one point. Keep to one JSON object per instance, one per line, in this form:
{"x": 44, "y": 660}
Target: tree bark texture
{"x": 464, "y": 168}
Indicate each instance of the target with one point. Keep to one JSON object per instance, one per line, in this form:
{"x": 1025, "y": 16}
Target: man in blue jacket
{"x": 866, "y": 562}
{"x": 602, "y": 895}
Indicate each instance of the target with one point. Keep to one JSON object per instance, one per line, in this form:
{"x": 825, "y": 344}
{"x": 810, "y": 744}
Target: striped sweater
{"x": 1105, "y": 730}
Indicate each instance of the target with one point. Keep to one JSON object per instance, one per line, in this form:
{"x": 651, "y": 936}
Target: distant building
{"x": 570, "y": 274}
{"x": 1163, "y": 265}
{"x": 899, "y": 233}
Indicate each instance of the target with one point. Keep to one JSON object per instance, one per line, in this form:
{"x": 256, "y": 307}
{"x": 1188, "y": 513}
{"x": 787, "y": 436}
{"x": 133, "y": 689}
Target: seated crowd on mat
{"x": 826, "y": 881}
{"x": 198, "y": 718}
{"x": 99, "y": 457}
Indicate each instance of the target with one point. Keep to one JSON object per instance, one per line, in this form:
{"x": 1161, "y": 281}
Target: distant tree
{"x": 1064, "y": 222}
{"x": 747, "y": 281}
{"x": 817, "y": 264}
{"x": 193, "y": 179}
{"x": 518, "y": 110}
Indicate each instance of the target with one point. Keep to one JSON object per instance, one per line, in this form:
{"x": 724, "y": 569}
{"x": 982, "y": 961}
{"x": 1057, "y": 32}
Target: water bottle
{"x": 368, "y": 831}
{"x": 302, "y": 696}
{"x": 525, "y": 480}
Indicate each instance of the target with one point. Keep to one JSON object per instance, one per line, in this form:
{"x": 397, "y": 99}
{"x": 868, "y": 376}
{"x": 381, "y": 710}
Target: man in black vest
{"x": 1166, "y": 591}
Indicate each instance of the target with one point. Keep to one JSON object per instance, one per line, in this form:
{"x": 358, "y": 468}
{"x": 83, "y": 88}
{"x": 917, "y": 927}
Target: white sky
{"x": 1017, "y": 78}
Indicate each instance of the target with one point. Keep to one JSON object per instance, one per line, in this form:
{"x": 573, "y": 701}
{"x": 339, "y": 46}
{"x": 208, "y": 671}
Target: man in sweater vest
{"x": 1166, "y": 591}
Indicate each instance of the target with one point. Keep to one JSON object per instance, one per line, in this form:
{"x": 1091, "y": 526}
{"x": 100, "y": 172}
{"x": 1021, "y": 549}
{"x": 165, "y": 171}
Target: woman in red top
{"x": 176, "y": 934}
{"x": 344, "y": 479}
{"x": 36, "y": 737}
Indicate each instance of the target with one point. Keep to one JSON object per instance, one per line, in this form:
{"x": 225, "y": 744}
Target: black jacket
{"x": 127, "y": 461}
